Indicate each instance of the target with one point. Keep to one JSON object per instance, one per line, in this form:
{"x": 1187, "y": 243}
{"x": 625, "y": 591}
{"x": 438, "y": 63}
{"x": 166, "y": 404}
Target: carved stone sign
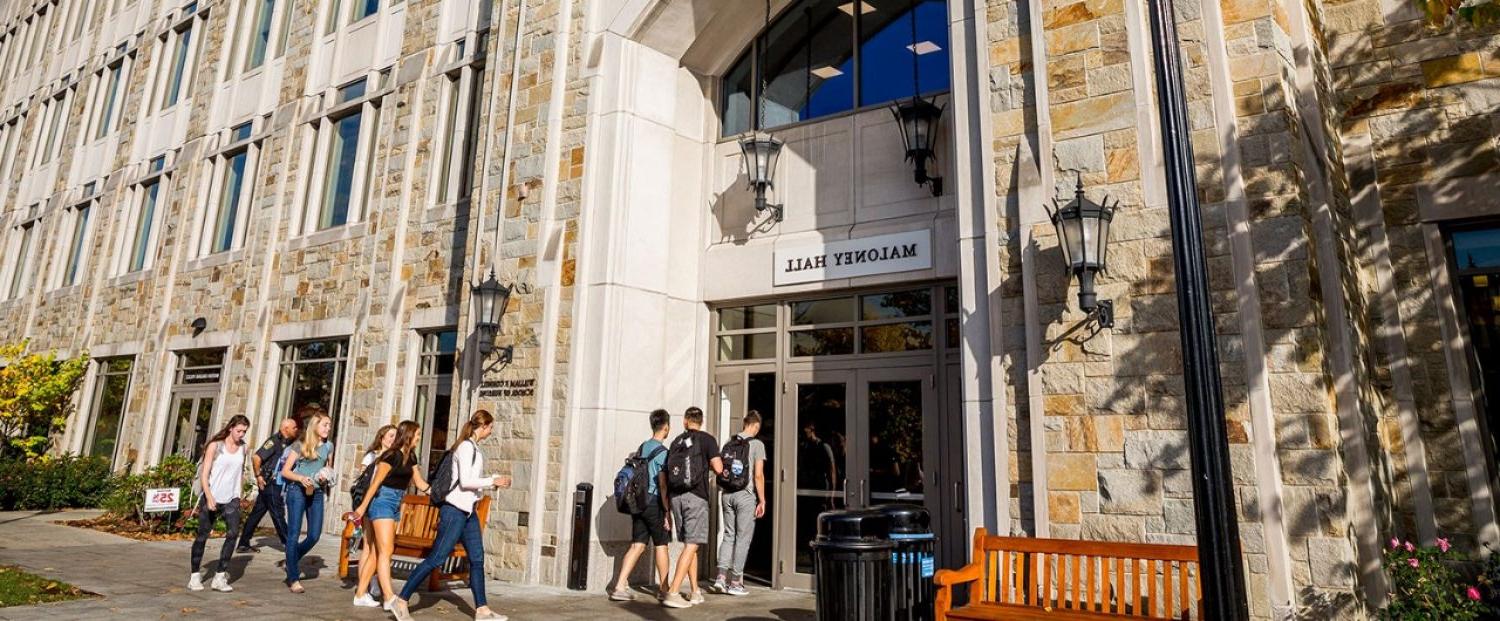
{"x": 507, "y": 389}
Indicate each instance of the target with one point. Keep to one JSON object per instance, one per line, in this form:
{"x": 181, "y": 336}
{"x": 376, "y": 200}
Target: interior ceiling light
{"x": 924, "y": 47}
{"x": 827, "y": 73}
{"x": 864, "y": 8}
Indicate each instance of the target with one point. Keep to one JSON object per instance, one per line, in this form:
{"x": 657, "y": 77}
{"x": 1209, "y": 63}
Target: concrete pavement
{"x": 148, "y": 580}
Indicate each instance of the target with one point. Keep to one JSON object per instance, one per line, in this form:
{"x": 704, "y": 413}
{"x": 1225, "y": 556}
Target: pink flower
{"x": 1473, "y": 593}
{"x": 1395, "y": 543}
{"x": 1413, "y": 562}
{"x": 1410, "y": 548}
{"x": 1443, "y": 544}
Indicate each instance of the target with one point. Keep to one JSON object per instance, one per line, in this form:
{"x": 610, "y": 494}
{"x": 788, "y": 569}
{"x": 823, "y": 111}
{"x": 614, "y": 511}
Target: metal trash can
{"x": 912, "y": 562}
{"x": 853, "y": 566}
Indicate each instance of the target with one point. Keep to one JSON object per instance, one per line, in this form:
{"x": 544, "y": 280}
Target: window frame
{"x": 103, "y": 372}
{"x": 182, "y": 64}
{"x": 129, "y": 240}
{"x": 105, "y": 102}
{"x": 52, "y": 128}
{"x": 21, "y": 250}
{"x": 290, "y": 359}
{"x": 209, "y": 216}
{"x": 78, "y": 224}
{"x": 458, "y": 113}
{"x": 430, "y": 349}
{"x": 322, "y": 137}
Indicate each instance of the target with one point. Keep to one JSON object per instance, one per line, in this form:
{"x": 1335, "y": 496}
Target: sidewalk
{"x": 148, "y": 580}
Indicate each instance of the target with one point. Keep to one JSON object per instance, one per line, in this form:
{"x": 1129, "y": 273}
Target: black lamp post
{"x": 919, "y": 119}
{"x": 490, "y": 300}
{"x": 1223, "y": 577}
{"x": 760, "y": 153}
{"x": 1083, "y": 232}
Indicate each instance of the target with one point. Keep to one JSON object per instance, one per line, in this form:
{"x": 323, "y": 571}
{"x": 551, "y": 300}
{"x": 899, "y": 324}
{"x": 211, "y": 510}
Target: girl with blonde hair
{"x": 306, "y": 473}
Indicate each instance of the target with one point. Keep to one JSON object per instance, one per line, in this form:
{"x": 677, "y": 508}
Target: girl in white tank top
{"x": 221, "y": 477}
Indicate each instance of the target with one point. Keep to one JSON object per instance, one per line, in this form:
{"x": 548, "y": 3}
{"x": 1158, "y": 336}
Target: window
{"x": 224, "y": 223}
{"x": 10, "y": 136}
{"x": 194, "y": 393}
{"x": 111, "y": 393}
{"x": 260, "y": 13}
{"x": 108, "y": 98}
{"x": 803, "y": 66}
{"x": 143, "y": 229}
{"x": 55, "y": 118}
{"x": 434, "y": 398}
{"x": 456, "y": 133}
{"x": 364, "y": 8}
{"x": 312, "y": 374}
{"x": 345, "y": 150}
{"x": 747, "y": 332}
{"x": 285, "y": 28}
{"x": 881, "y": 323}
{"x": 20, "y": 271}
{"x": 333, "y": 15}
{"x": 178, "y": 77}
{"x": 76, "y": 243}
{"x": 81, "y": 16}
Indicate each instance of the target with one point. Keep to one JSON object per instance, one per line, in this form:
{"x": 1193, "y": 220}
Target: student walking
{"x": 457, "y": 520}
{"x": 385, "y": 438}
{"x": 220, "y": 475}
{"x": 693, "y": 455}
{"x": 652, "y": 525}
{"x": 742, "y": 501}
{"x": 269, "y": 497}
{"x": 303, "y": 477}
{"x": 395, "y": 472}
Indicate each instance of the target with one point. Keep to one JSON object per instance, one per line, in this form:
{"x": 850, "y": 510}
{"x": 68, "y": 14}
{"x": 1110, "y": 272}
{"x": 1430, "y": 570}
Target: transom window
{"x": 804, "y": 66}
{"x": 889, "y": 322}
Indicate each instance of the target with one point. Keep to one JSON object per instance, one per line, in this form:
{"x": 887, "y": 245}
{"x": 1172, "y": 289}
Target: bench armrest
{"x": 947, "y": 578}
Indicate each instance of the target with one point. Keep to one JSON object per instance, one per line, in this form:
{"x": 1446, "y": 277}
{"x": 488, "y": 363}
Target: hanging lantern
{"x": 1083, "y": 232}
{"x": 490, "y": 300}
{"x": 919, "y": 120}
{"x": 760, "y": 153}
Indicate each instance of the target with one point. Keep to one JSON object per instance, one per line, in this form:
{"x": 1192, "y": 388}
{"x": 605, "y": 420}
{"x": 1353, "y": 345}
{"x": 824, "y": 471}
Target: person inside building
{"x": 457, "y": 520}
{"x": 221, "y": 476}
{"x": 394, "y": 473}
{"x": 304, "y": 475}
{"x": 385, "y": 438}
{"x": 693, "y": 453}
{"x": 269, "y": 499}
{"x": 742, "y": 501}
{"x": 653, "y": 525}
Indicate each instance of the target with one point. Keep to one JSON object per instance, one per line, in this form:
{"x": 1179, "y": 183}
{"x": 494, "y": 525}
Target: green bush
{"x": 1425, "y": 584}
{"x": 54, "y": 482}
{"x": 127, "y": 498}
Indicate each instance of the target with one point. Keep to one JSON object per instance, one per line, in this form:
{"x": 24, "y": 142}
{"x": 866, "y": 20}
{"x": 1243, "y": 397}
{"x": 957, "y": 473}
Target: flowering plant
{"x": 1424, "y": 584}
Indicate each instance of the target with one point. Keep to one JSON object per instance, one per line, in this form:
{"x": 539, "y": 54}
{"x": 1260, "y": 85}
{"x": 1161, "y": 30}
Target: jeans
{"x": 269, "y": 501}
{"x": 738, "y": 514}
{"x": 298, "y": 505}
{"x": 230, "y": 510}
{"x": 453, "y": 525}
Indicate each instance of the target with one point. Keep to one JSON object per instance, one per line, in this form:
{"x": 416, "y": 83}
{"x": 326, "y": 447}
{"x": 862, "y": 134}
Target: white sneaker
{"x": 719, "y": 585}
{"x": 676, "y": 600}
{"x": 221, "y": 583}
{"x": 365, "y": 601}
{"x": 696, "y": 599}
{"x": 195, "y": 582}
{"x": 491, "y": 616}
{"x": 400, "y": 611}
{"x": 737, "y": 589}
{"x": 388, "y": 604}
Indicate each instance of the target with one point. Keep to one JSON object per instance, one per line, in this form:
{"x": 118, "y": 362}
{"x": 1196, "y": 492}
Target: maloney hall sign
{"x": 813, "y": 261}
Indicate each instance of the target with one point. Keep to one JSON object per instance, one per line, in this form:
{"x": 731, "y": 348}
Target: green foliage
{"x": 18, "y": 588}
{"x": 53, "y": 482}
{"x": 1425, "y": 585}
{"x": 36, "y": 397}
{"x": 1477, "y": 13}
{"x": 127, "y": 498}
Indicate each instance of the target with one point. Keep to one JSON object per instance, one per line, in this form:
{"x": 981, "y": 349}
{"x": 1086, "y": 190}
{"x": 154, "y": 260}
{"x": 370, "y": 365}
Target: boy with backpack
{"x": 693, "y": 455}
{"x": 743, "y": 501}
{"x": 640, "y": 495}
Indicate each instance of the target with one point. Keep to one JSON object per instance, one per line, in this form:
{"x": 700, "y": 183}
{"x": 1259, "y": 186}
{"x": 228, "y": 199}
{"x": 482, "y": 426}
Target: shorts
{"x": 690, "y": 518}
{"x": 386, "y": 505}
{"x": 650, "y": 526}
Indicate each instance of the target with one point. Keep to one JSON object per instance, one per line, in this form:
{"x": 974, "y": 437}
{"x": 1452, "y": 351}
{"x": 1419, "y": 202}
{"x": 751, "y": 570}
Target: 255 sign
{"x": 163, "y": 499}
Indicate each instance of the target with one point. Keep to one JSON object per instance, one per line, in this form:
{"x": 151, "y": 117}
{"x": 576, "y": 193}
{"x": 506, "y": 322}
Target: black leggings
{"x": 230, "y": 510}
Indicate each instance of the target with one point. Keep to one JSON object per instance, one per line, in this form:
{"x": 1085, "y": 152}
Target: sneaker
{"x": 221, "y": 583}
{"x": 195, "y": 582}
{"x": 399, "y": 609}
{"x": 737, "y": 589}
{"x": 621, "y": 595}
{"x": 390, "y": 603}
{"x": 365, "y": 601}
{"x": 675, "y": 600}
{"x": 244, "y": 550}
{"x": 696, "y": 599}
{"x": 718, "y": 586}
{"x": 295, "y": 587}
{"x": 490, "y": 616}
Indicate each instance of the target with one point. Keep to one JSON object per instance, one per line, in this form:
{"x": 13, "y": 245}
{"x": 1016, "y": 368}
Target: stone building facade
{"x": 321, "y": 187}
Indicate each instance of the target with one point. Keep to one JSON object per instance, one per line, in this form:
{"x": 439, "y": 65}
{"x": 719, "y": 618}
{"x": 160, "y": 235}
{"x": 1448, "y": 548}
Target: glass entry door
{"x": 860, "y": 439}
{"x": 187, "y": 430}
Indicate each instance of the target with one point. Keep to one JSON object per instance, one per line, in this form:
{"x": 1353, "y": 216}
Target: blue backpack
{"x": 633, "y": 483}
{"x": 281, "y": 463}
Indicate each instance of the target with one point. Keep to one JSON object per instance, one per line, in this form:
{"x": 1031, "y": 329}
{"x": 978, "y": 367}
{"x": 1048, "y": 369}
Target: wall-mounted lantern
{"x": 1083, "y": 232}
{"x": 760, "y": 153}
{"x": 490, "y": 300}
{"x": 919, "y": 119}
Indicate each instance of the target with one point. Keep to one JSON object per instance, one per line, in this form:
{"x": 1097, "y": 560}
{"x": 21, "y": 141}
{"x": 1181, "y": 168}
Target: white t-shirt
{"x": 226, "y": 473}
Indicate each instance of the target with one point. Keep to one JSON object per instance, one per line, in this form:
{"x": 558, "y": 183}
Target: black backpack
{"x": 633, "y": 483}
{"x": 736, "y": 457}
{"x": 684, "y": 465}
{"x": 361, "y": 485}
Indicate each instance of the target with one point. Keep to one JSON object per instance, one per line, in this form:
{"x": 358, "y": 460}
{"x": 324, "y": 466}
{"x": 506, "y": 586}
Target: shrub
{"x": 127, "y": 498}
{"x": 1425, "y": 585}
{"x": 36, "y": 396}
{"x": 53, "y": 482}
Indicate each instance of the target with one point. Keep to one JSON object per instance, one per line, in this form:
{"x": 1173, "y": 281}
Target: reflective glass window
{"x": 739, "y": 89}
{"x": 894, "y": 56}
{"x": 1477, "y": 249}
{"x": 808, "y": 67}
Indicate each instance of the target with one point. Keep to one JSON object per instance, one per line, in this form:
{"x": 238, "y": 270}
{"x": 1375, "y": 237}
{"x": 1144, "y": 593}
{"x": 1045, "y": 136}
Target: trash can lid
{"x": 908, "y": 518}
{"x": 853, "y": 525}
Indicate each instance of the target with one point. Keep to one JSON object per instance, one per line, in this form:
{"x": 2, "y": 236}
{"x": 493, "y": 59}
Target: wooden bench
{"x": 1057, "y": 579}
{"x": 415, "y": 534}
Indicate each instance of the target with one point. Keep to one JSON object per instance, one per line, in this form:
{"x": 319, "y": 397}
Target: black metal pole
{"x": 1221, "y": 575}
